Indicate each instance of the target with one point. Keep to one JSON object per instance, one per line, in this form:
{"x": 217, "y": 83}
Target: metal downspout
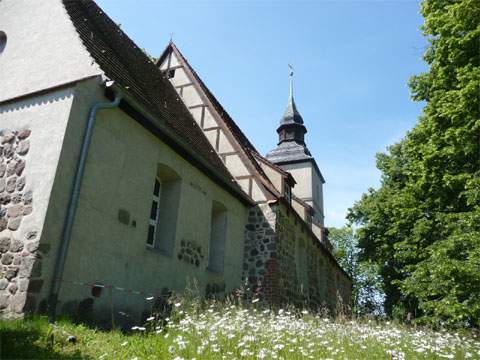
{"x": 73, "y": 201}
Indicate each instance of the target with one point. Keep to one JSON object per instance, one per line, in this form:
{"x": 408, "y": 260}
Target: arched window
{"x": 162, "y": 223}
{"x": 218, "y": 233}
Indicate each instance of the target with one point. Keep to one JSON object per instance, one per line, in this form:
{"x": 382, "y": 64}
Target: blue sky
{"x": 352, "y": 62}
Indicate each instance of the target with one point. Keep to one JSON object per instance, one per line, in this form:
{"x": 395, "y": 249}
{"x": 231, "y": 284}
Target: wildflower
{"x": 246, "y": 352}
{"x": 177, "y": 304}
{"x": 124, "y": 343}
{"x": 247, "y": 338}
{"x": 149, "y": 298}
{"x": 255, "y": 300}
{"x": 151, "y": 318}
{"x": 262, "y": 353}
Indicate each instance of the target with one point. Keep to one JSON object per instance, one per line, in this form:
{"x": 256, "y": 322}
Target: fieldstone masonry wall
{"x": 273, "y": 262}
{"x": 191, "y": 253}
{"x": 260, "y": 252}
{"x": 328, "y": 286}
{"x": 289, "y": 290}
{"x": 19, "y": 271}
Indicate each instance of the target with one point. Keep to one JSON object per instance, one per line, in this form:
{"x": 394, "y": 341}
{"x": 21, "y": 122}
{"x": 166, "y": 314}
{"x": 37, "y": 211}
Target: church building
{"x": 124, "y": 180}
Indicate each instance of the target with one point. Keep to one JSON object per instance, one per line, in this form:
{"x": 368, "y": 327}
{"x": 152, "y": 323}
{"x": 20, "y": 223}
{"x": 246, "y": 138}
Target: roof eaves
{"x": 151, "y": 122}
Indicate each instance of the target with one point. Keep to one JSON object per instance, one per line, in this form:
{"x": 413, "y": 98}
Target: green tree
{"x": 367, "y": 292}
{"x": 422, "y": 226}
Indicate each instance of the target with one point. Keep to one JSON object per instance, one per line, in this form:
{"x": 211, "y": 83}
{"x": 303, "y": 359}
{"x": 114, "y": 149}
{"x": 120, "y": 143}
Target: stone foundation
{"x": 20, "y": 272}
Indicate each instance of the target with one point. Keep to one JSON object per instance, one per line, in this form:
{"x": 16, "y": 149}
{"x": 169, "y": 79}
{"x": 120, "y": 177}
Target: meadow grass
{"x": 219, "y": 331}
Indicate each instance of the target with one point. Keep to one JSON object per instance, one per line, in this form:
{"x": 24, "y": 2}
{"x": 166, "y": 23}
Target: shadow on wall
{"x": 22, "y": 342}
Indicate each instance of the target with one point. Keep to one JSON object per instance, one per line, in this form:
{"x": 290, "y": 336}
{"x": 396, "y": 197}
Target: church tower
{"x": 293, "y": 156}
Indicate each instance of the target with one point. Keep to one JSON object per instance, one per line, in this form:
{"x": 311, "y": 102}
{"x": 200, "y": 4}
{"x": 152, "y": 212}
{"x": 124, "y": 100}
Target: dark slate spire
{"x": 291, "y": 134}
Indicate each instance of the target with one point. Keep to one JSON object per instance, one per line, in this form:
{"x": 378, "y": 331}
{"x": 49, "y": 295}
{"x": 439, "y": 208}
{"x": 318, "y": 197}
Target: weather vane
{"x": 290, "y": 66}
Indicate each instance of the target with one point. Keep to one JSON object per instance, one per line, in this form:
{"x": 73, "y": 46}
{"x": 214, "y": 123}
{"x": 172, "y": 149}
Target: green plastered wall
{"x": 119, "y": 175}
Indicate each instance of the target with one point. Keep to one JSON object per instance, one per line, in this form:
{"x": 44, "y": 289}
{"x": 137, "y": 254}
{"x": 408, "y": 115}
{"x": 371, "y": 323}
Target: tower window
{"x": 171, "y": 73}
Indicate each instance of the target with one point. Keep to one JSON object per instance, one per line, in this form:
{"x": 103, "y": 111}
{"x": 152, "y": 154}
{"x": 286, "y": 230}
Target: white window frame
{"x": 153, "y": 222}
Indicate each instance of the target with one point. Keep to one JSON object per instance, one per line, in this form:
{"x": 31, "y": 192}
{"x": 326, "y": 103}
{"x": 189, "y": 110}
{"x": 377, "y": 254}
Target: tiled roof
{"x": 126, "y": 64}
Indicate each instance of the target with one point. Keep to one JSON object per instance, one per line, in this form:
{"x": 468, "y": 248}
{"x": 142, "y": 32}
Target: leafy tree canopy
{"x": 367, "y": 291}
{"x": 422, "y": 226}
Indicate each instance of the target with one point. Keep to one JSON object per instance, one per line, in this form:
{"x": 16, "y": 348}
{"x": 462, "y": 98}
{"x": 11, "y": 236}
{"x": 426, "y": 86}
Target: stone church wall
{"x": 16, "y": 203}
{"x": 259, "y": 268}
{"x": 285, "y": 264}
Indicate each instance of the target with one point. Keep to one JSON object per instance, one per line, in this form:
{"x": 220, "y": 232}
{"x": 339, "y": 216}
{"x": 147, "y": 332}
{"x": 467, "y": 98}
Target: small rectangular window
{"x": 156, "y": 189}
{"x": 171, "y": 73}
{"x": 154, "y": 210}
{"x": 151, "y": 235}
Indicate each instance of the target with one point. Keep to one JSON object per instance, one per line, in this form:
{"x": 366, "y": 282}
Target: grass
{"x": 232, "y": 332}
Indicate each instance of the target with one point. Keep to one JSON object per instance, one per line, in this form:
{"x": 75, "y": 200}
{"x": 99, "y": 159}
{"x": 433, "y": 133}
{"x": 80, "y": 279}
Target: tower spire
{"x": 291, "y": 114}
{"x": 291, "y": 131}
